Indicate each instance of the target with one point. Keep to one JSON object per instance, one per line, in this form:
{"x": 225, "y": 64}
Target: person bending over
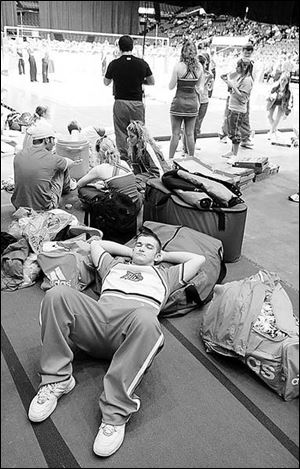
{"x": 41, "y": 176}
{"x": 121, "y": 326}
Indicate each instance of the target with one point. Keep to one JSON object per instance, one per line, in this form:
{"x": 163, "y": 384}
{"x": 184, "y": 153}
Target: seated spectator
{"x": 41, "y": 176}
{"x": 112, "y": 173}
{"x": 145, "y": 157}
{"x": 41, "y": 112}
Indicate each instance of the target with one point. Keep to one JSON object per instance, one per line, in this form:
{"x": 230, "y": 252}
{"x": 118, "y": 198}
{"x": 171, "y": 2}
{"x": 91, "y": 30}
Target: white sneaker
{"x": 247, "y": 144}
{"x": 232, "y": 160}
{"x": 108, "y": 439}
{"x": 44, "y": 403}
{"x": 229, "y": 154}
{"x": 224, "y": 139}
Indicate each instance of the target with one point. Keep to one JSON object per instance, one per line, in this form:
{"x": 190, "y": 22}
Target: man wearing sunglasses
{"x": 41, "y": 176}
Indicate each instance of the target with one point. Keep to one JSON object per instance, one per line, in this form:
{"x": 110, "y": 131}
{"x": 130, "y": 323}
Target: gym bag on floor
{"x": 252, "y": 320}
{"x": 114, "y": 213}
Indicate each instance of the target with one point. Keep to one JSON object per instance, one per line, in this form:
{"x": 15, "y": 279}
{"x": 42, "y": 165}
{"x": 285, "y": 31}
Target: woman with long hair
{"x": 240, "y": 84}
{"x": 204, "y": 59}
{"x": 280, "y": 99}
{"x": 188, "y": 77}
{"x": 144, "y": 155}
{"x": 112, "y": 174}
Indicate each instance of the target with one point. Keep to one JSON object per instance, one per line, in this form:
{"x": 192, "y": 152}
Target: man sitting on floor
{"x": 41, "y": 176}
{"x": 121, "y": 326}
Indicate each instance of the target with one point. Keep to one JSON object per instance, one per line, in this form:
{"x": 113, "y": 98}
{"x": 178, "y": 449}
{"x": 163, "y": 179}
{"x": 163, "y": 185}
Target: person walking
{"x": 128, "y": 74}
{"x": 187, "y": 77}
{"x": 122, "y": 326}
{"x": 281, "y": 99}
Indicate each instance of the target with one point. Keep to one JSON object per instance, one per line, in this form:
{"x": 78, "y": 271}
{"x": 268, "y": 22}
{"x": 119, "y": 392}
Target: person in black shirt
{"x": 129, "y": 74}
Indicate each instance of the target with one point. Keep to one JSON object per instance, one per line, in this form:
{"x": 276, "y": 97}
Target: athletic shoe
{"x": 294, "y": 197}
{"x": 275, "y": 137}
{"x": 44, "y": 403}
{"x": 232, "y": 160}
{"x": 229, "y": 154}
{"x": 108, "y": 439}
{"x": 247, "y": 144}
{"x": 73, "y": 184}
{"x": 223, "y": 139}
{"x": 269, "y": 135}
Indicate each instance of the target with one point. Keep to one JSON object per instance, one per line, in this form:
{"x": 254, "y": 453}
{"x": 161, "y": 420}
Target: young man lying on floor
{"x": 121, "y": 326}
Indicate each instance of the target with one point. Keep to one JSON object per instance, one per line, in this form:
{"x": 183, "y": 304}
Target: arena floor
{"x": 198, "y": 410}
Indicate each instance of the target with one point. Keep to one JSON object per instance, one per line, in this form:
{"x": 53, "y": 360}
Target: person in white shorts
{"x": 121, "y": 326}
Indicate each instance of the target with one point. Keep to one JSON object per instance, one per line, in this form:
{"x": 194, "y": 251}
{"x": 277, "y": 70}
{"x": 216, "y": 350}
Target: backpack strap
{"x": 117, "y": 168}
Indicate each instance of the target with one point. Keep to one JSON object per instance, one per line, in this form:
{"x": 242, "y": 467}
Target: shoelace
{"x": 45, "y": 392}
{"x": 108, "y": 430}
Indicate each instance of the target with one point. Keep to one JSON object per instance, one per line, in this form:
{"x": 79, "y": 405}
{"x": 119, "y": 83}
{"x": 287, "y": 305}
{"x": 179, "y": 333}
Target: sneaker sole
{"x": 33, "y": 418}
{"x": 107, "y": 454}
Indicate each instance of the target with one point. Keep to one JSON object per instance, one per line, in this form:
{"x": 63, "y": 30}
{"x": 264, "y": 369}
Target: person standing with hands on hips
{"x": 128, "y": 74}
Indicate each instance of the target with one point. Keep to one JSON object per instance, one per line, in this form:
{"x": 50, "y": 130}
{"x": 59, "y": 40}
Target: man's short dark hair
{"x": 73, "y": 126}
{"x": 126, "y": 43}
{"x": 147, "y": 232}
{"x": 249, "y": 47}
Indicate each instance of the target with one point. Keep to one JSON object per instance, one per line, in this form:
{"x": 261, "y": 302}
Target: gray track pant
{"x": 123, "y": 112}
{"x": 130, "y": 338}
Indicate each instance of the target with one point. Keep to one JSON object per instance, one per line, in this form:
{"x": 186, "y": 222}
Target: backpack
{"x": 12, "y": 121}
{"x": 199, "y": 289}
{"x": 15, "y": 120}
{"x": 112, "y": 212}
{"x": 252, "y": 320}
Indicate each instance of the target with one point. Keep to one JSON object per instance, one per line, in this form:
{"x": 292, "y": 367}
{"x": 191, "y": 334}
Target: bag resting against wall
{"x": 225, "y": 224}
{"x": 252, "y": 320}
{"x": 199, "y": 290}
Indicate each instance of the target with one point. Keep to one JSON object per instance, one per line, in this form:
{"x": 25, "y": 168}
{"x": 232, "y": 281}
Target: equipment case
{"x": 75, "y": 151}
{"x": 225, "y": 224}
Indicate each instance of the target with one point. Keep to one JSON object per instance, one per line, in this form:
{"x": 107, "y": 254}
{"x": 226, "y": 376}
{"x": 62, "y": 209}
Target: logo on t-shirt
{"x": 133, "y": 276}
